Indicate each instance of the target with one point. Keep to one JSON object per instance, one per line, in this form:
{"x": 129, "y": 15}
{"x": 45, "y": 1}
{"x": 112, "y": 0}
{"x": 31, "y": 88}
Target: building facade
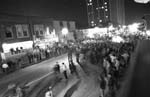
{"x": 17, "y": 31}
{"x": 102, "y": 12}
{"x": 117, "y": 12}
{"x": 98, "y": 12}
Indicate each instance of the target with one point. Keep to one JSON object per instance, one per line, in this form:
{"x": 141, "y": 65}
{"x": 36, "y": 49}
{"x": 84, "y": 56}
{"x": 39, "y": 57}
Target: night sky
{"x": 65, "y": 9}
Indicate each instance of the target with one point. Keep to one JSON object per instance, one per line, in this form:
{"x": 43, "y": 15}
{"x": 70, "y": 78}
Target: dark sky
{"x": 65, "y": 9}
{"x": 135, "y": 11}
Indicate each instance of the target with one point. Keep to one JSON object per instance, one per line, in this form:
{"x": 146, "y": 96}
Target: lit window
{"x": 39, "y": 30}
{"x": 100, "y": 20}
{"x": 22, "y": 30}
{"x": 9, "y": 32}
{"x": 92, "y": 22}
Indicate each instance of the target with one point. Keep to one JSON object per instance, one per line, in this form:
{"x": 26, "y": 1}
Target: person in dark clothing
{"x": 64, "y": 68}
{"x": 57, "y": 68}
{"x": 102, "y": 84}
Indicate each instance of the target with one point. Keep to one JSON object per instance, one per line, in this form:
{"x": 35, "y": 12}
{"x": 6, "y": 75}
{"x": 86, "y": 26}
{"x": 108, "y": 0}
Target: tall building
{"x": 101, "y": 12}
{"x": 98, "y": 12}
{"x": 117, "y": 13}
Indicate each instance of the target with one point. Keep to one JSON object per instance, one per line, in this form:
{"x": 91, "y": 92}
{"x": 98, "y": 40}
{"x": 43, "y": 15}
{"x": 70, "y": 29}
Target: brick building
{"x": 23, "y": 31}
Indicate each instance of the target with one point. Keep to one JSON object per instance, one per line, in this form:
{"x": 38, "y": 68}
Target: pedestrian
{"x": 49, "y": 93}
{"x": 70, "y": 67}
{"x": 64, "y": 68}
{"x": 19, "y": 92}
{"x": 57, "y": 68}
{"x": 5, "y": 67}
{"x": 103, "y": 85}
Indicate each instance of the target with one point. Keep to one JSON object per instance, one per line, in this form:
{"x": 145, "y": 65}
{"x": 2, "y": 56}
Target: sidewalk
{"x": 87, "y": 87}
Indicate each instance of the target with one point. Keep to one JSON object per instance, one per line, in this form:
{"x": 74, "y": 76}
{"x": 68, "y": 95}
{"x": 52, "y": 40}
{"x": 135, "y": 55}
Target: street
{"x": 30, "y": 74}
{"x": 40, "y": 77}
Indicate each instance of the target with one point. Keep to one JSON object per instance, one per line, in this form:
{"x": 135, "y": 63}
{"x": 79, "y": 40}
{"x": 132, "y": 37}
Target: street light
{"x": 64, "y": 31}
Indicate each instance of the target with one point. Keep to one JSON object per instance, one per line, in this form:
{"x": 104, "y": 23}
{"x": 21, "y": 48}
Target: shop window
{"x": 9, "y": 32}
{"x": 22, "y": 30}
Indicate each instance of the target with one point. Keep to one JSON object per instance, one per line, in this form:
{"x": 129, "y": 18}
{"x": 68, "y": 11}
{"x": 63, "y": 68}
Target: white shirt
{"x": 49, "y": 94}
{"x": 64, "y": 67}
{"x": 5, "y": 66}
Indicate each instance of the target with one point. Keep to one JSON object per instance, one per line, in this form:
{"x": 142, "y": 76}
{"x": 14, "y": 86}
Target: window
{"x": 22, "y": 30}
{"x": 61, "y": 24}
{"x": 9, "y": 32}
{"x": 39, "y": 29}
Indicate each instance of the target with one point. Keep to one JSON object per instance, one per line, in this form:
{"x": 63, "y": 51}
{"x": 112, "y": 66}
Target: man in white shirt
{"x": 64, "y": 69}
{"x": 49, "y": 93}
{"x": 5, "y": 67}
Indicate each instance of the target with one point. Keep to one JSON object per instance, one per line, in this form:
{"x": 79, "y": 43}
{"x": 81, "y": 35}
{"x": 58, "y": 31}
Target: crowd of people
{"x": 113, "y": 58}
{"x": 31, "y": 56}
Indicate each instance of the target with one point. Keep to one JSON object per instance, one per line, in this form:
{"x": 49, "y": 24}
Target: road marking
{"x": 28, "y": 84}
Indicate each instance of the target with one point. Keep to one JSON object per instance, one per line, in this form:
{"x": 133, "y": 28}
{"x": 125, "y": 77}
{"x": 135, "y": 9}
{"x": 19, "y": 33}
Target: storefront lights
{"x": 25, "y": 45}
{"x": 142, "y": 1}
{"x": 134, "y": 27}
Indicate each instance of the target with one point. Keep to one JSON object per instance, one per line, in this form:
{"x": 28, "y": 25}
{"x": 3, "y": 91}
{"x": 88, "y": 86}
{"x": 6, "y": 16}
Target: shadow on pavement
{"x": 72, "y": 89}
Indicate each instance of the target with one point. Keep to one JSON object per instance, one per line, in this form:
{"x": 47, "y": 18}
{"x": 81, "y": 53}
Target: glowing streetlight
{"x": 65, "y": 31}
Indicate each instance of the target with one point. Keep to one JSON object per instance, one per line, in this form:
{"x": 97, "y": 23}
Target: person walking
{"x": 57, "y": 68}
{"x": 103, "y": 85}
{"x": 64, "y": 68}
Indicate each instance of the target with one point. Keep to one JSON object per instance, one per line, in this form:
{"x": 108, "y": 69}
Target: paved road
{"x": 30, "y": 74}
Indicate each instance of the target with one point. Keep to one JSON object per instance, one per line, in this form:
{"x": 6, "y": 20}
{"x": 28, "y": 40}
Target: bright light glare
{"x": 25, "y": 45}
{"x": 142, "y": 1}
{"x": 111, "y": 28}
{"x": 47, "y": 31}
{"x": 148, "y": 32}
{"x": 96, "y": 30}
{"x": 117, "y": 39}
{"x": 134, "y": 27}
{"x": 124, "y": 26}
{"x": 64, "y": 31}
